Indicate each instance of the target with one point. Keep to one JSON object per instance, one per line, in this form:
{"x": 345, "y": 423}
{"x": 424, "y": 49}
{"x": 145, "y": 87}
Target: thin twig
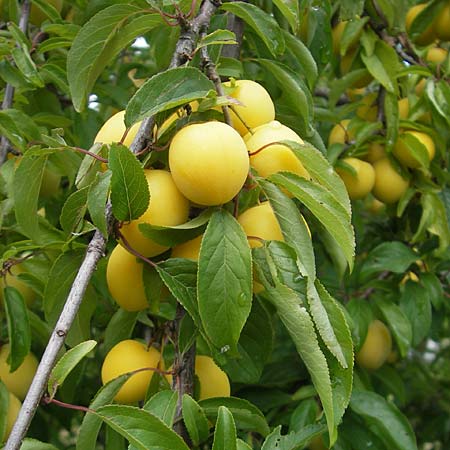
{"x": 9, "y": 89}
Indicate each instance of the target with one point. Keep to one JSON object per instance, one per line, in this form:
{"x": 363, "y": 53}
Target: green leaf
{"x": 262, "y": 23}
{"x": 324, "y": 207}
{"x": 26, "y": 185}
{"x": 246, "y": 415}
{"x": 302, "y": 55}
{"x": 291, "y": 12}
{"x": 416, "y": 305}
{"x": 392, "y": 118}
{"x": 34, "y": 444}
{"x": 130, "y": 195}
{"x": 391, "y": 256}
{"x": 166, "y": 90}
{"x": 292, "y": 225}
{"x": 141, "y": 428}
{"x": 163, "y": 405}
{"x": 350, "y": 9}
{"x": 90, "y": 427}
{"x": 300, "y": 327}
{"x": 120, "y": 327}
{"x": 67, "y": 363}
{"x": 195, "y": 420}
{"x": 254, "y": 347}
{"x": 74, "y": 209}
{"x": 4, "y": 404}
{"x": 398, "y": 323}
{"x": 296, "y": 93}
{"x": 26, "y": 66}
{"x": 170, "y": 236}
{"x": 292, "y": 441}
{"x": 224, "y": 280}
{"x": 416, "y": 148}
{"x": 390, "y": 424}
{"x": 225, "y": 434}
{"x": 241, "y": 445}
{"x": 217, "y": 37}
{"x": 48, "y": 9}
{"x": 10, "y": 129}
{"x": 19, "y": 333}
{"x": 98, "y": 43}
{"x": 96, "y": 200}
{"x": 361, "y": 316}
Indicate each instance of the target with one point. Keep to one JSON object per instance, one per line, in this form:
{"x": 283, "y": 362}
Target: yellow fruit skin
{"x": 442, "y": 24}
{"x": 369, "y": 108}
{"x": 360, "y": 185}
{"x": 213, "y": 380}
{"x": 389, "y": 184}
{"x": 168, "y": 207}
{"x": 14, "y": 406}
{"x": 436, "y": 55}
{"x": 375, "y": 151}
{"x": 376, "y": 207}
{"x": 274, "y": 158}
{"x": 336, "y": 34}
{"x": 403, "y": 153}
{"x": 260, "y": 221}
{"x": 189, "y": 249}
{"x": 209, "y": 162}
{"x": 376, "y": 348}
{"x": 37, "y": 16}
{"x": 340, "y": 134}
{"x": 127, "y": 356}
{"x": 420, "y": 87}
{"x": 20, "y": 380}
{"x": 124, "y": 278}
{"x": 12, "y": 280}
{"x": 114, "y": 128}
{"x": 403, "y": 108}
{"x": 257, "y": 106}
{"x": 428, "y": 35}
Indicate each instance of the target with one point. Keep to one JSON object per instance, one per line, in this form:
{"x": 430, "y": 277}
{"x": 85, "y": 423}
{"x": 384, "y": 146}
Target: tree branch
{"x": 236, "y": 25}
{"x": 9, "y": 89}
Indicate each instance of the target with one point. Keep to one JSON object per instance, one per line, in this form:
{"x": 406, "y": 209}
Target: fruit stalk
{"x": 9, "y": 89}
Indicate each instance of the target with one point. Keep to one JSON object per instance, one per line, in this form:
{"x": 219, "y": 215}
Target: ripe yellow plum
{"x": 375, "y": 151}
{"x": 168, "y": 207}
{"x": 340, "y": 133}
{"x": 114, "y": 129}
{"x": 209, "y": 162}
{"x": 213, "y": 380}
{"x": 11, "y": 279}
{"x": 14, "y": 406}
{"x": 442, "y": 24}
{"x": 404, "y": 154}
{"x": 19, "y": 381}
{"x": 436, "y": 55}
{"x": 124, "y": 279}
{"x": 428, "y": 35}
{"x": 274, "y": 158}
{"x": 389, "y": 183}
{"x": 128, "y": 356}
{"x": 360, "y": 184}
{"x": 257, "y": 107}
{"x": 189, "y": 249}
{"x": 376, "y": 348}
{"x": 260, "y": 222}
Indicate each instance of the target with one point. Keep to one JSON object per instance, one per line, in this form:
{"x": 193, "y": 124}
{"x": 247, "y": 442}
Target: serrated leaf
{"x": 19, "y": 333}
{"x": 130, "y": 195}
{"x": 324, "y": 206}
{"x": 194, "y": 420}
{"x": 224, "y": 280}
{"x": 292, "y": 226}
{"x": 225, "y": 433}
{"x": 170, "y": 236}
{"x": 262, "y": 23}
{"x": 390, "y": 424}
{"x": 292, "y": 441}
{"x": 73, "y": 211}
{"x": 300, "y": 327}
{"x": 96, "y": 200}
{"x": 26, "y": 66}
{"x": 90, "y": 427}
{"x": 166, "y": 90}
{"x": 398, "y": 323}
{"x": 246, "y": 415}
{"x": 141, "y": 428}
{"x": 163, "y": 405}
{"x": 99, "y": 41}
{"x": 67, "y": 363}
{"x": 26, "y": 185}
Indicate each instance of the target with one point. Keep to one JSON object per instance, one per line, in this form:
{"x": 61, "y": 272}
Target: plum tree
{"x": 361, "y": 183}
{"x": 376, "y": 347}
{"x": 124, "y": 278}
{"x": 209, "y": 162}
{"x": 128, "y": 356}
{"x": 167, "y": 207}
{"x": 19, "y": 381}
